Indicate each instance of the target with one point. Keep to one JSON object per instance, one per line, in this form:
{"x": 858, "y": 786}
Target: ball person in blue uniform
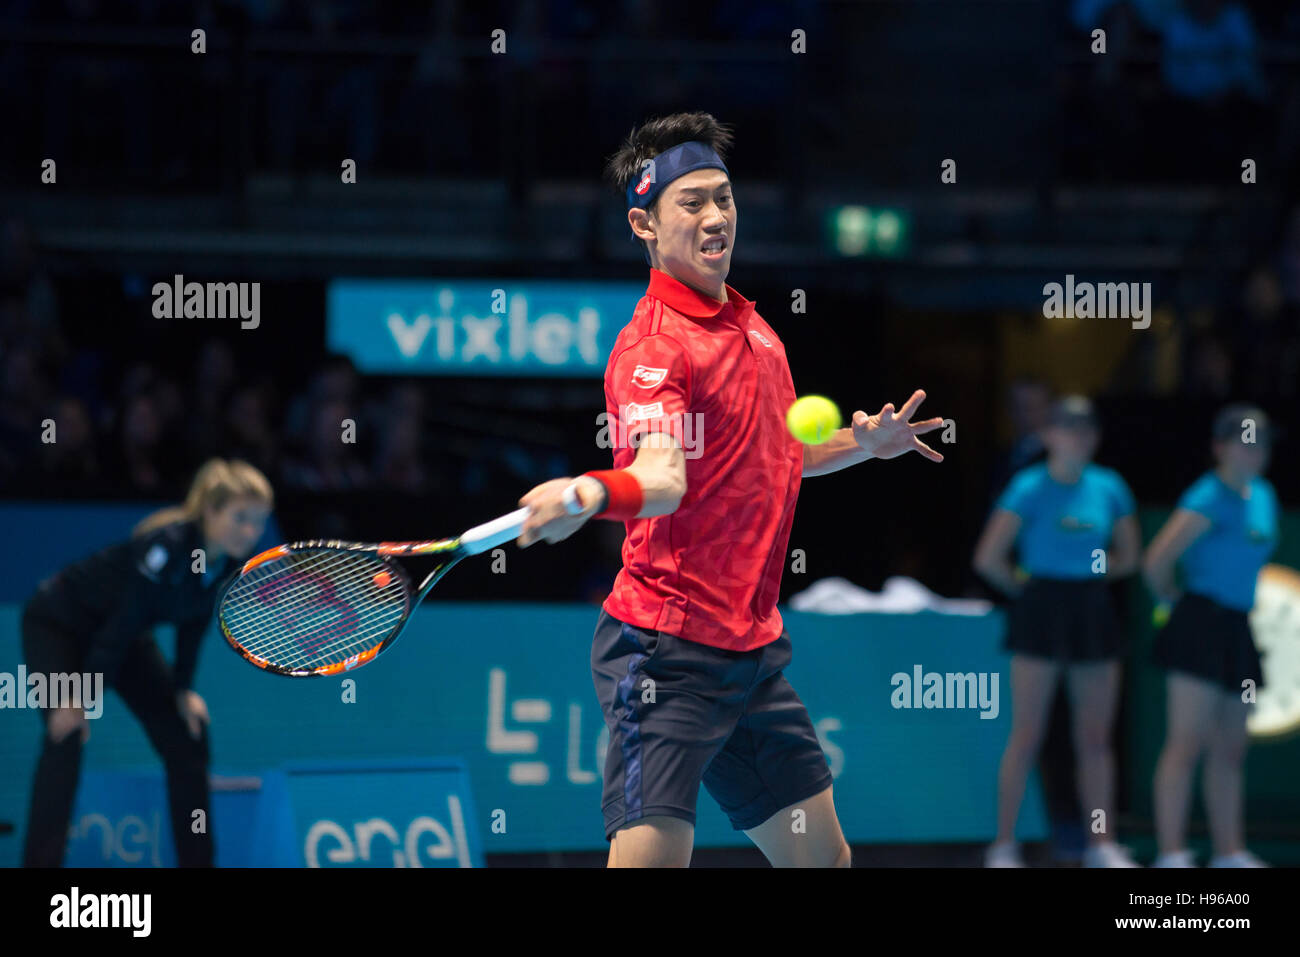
{"x": 1073, "y": 526}
{"x": 1222, "y": 532}
{"x": 96, "y": 617}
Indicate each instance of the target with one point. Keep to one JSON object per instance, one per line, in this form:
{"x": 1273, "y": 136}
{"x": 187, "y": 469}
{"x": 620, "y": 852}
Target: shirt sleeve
{"x": 134, "y": 612}
{"x": 1015, "y": 498}
{"x": 1201, "y": 498}
{"x": 1125, "y": 504}
{"x": 189, "y": 638}
{"x": 649, "y": 387}
{"x": 191, "y": 631}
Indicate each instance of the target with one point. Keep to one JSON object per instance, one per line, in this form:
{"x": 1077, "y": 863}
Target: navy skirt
{"x": 1071, "y": 621}
{"x": 1211, "y": 641}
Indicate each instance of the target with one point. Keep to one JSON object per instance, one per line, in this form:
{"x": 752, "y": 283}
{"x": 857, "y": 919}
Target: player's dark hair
{"x": 659, "y": 135}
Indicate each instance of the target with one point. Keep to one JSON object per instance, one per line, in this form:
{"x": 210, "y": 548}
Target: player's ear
{"x": 641, "y": 224}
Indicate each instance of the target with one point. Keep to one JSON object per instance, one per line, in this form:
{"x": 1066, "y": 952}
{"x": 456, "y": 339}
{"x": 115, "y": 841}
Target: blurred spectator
{"x": 25, "y": 401}
{"x": 399, "y": 465}
{"x": 329, "y": 464}
{"x": 136, "y": 453}
{"x": 71, "y": 462}
{"x": 399, "y": 421}
{"x": 336, "y": 380}
{"x": 1268, "y": 337}
{"x": 1110, "y": 95}
{"x": 214, "y": 381}
{"x": 1029, "y": 401}
{"x": 1214, "y": 111}
{"x": 434, "y": 115}
{"x": 172, "y": 414}
{"x": 1088, "y": 15}
{"x": 1209, "y": 366}
{"x": 249, "y": 434}
{"x": 344, "y": 102}
{"x": 1209, "y": 52}
{"x": 31, "y": 311}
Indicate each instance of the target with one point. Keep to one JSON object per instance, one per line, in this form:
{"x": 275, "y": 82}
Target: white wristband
{"x": 571, "y": 503}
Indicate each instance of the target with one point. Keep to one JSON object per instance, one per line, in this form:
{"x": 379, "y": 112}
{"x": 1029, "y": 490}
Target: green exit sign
{"x": 868, "y": 231}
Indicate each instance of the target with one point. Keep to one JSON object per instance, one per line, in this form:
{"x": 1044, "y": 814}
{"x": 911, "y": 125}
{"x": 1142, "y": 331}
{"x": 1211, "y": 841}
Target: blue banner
{"x": 408, "y": 813}
{"x": 412, "y": 813}
{"x": 531, "y": 328}
{"x": 121, "y": 819}
{"x": 506, "y": 687}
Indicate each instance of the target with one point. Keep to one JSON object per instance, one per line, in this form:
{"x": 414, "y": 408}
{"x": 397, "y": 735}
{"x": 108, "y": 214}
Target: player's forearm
{"x": 1159, "y": 576}
{"x": 662, "y": 489}
{"x": 838, "y": 452}
{"x": 1122, "y": 564}
{"x": 1000, "y": 573}
{"x": 660, "y": 485}
{"x": 188, "y": 638}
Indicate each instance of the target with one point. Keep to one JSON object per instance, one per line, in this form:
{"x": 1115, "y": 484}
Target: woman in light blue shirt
{"x": 1072, "y": 523}
{"x": 1222, "y": 532}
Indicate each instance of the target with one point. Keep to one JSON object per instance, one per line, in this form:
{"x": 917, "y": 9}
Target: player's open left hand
{"x": 889, "y": 434}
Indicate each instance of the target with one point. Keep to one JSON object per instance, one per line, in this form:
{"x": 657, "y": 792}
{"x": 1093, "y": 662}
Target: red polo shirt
{"x": 715, "y": 375}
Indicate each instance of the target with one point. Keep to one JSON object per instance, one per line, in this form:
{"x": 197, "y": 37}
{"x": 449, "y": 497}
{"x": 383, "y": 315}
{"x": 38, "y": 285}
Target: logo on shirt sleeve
{"x": 154, "y": 560}
{"x": 648, "y": 378}
{"x": 636, "y": 413}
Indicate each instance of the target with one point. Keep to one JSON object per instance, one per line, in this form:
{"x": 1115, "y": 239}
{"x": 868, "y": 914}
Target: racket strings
{"x": 315, "y": 607}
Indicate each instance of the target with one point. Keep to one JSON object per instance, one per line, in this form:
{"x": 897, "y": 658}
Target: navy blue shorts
{"x": 728, "y": 719}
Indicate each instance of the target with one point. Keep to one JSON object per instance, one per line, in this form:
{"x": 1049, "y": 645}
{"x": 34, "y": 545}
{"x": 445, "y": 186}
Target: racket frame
{"x": 452, "y": 549}
{"x": 476, "y": 540}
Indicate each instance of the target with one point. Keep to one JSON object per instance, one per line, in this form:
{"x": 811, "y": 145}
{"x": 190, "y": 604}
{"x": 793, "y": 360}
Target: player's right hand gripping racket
{"x": 320, "y": 608}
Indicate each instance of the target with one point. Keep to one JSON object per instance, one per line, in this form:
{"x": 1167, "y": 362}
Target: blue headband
{"x": 667, "y": 166}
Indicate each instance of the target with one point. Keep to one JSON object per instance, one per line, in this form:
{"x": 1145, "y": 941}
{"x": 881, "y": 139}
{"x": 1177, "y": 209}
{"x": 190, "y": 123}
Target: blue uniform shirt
{"x": 1225, "y": 561}
{"x": 1061, "y": 526}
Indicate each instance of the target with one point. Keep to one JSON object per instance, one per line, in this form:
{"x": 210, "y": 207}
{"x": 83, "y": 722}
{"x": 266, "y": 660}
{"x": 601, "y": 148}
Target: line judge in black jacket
{"x": 97, "y": 616}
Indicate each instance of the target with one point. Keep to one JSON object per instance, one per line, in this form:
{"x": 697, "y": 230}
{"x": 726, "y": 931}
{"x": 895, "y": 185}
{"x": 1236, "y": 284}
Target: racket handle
{"x": 491, "y": 534}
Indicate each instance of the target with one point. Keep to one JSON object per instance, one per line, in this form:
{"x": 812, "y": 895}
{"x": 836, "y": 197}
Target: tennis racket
{"x": 320, "y": 608}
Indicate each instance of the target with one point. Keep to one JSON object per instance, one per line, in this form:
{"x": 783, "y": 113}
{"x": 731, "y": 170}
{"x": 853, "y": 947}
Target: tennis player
{"x": 1074, "y": 527}
{"x": 689, "y": 650}
{"x": 96, "y": 616}
{"x": 1222, "y": 532}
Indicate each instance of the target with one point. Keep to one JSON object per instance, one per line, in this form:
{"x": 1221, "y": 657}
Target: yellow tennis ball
{"x": 812, "y": 419}
{"x": 1160, "y": 615}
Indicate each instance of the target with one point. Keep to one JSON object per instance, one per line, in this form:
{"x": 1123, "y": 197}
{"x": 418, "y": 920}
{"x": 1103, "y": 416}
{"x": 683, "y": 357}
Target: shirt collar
{"x": 689, "y": 302}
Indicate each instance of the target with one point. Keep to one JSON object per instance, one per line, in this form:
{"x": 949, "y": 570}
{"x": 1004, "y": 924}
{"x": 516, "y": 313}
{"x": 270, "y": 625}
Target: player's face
{"x": 695, "y": 230}
{"x": 236, "y": 527}
{"x": 1074, "y": 444}
{"x": 1245, "y": 459}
